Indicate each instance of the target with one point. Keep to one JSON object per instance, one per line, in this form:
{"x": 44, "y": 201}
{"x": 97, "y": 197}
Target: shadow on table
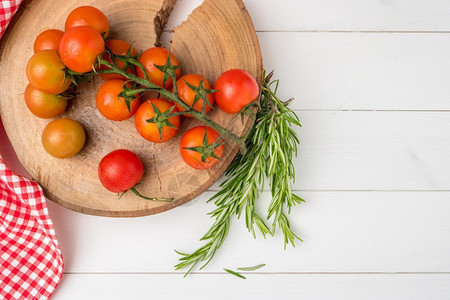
{"x": 8, "y": 154}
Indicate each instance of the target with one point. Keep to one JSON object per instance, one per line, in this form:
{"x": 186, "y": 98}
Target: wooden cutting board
{"x": 217, "y": 36}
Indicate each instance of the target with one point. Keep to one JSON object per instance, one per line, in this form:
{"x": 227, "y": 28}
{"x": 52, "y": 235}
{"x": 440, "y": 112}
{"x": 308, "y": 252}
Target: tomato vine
{"x": 146, "y": 85}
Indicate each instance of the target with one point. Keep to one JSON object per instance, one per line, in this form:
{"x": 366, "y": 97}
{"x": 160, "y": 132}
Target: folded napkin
{"x": 31, "y": 263}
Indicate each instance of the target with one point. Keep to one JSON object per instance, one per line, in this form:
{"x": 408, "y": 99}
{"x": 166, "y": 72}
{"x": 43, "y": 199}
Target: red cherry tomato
{"x": 157, "y": 56}
{"x": 188, "y": 95}
{"x": 117, "y": 47}
{"x": 79, "y": 47}
{"x": 44, "y": 105}
{"x": 120, "y": 170}
{"x": 110, "y": 105}
{"x": 150, "y": 131}
{"x": 88, "y": 16}
{"x": 48, "y": 40}
{"x": 45, "y": 71}
{"x": 63, "y": 138}
{"x": 194, "y": 138}
{"x": 236, "y": 88}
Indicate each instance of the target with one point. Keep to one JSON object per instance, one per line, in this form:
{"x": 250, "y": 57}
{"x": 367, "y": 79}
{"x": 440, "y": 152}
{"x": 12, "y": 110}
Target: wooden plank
{"x": 256, "y": 286}
{"x": 360, "y": 71}
{"x": 342, "y": 232}
{"x": 364, "y": 150}
{"x": 344, "y": 15}
{"x": 350, "y": 15}
{"x": 374, "y": 151}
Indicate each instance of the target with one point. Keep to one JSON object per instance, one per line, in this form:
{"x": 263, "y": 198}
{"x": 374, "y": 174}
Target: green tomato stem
{"x": 135, "y": 191}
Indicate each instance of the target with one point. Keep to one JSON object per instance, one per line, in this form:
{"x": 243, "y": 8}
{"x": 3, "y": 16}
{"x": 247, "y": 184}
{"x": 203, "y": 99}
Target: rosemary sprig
{"x": 271, "y": 145}
{"x": 282, "y": 148}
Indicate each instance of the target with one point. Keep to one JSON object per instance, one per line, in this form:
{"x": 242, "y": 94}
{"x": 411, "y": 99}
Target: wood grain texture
{"x": 256, "y": 286}
{"x": 219, "y": 27}
{"x": 360, "y": 71}
{"x": 372, "y": 150}
{"x": 348, "y": 232}
{"x": 350, "y": 15}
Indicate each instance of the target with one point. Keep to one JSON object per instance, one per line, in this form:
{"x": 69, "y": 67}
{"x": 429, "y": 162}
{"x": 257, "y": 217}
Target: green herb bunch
{"x": 271, "y": 146}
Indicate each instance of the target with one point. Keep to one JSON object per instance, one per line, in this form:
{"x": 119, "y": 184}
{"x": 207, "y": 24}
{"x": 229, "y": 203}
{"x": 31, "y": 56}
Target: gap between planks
{"x": 349, "y": 31}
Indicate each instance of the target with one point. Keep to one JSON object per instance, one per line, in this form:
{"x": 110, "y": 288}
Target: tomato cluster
{"x": 84, "y": 47}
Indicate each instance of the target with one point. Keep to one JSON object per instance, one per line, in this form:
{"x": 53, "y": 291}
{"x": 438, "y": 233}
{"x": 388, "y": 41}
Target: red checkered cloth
{"x": 7, "y": 10}
{"x": 31, "y": 263}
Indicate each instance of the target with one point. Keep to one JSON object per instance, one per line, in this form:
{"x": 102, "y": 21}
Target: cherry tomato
{"x": 63, "y": 138}
{"x": 44, "y": 105}
{"x": 194, "y": 138}
{"x": 188, "y": 95}
{"x": 117, "y": 47}
{"x": 88, "y": 16}
{"x": 79, "y": 47}
{"x": 45, "y": 72}
{"x": 157, "y": 56}
{"x": 120, "y": 170}
{"x": 111, "y": 105}
{"x": 150, "y": 131}
{"x": 48, "y": 40}
{"x": 236, "y": 88}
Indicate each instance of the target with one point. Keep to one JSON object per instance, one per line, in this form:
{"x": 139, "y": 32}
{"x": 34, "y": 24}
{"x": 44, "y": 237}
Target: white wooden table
{"x": 371, "y": 81}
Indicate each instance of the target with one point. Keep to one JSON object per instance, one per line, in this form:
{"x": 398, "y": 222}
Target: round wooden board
{"x": 217, "y": 36}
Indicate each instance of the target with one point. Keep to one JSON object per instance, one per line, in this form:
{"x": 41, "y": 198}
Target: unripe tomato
{"x": 193, "y": 138}
{"x": 236, "y": 88}
{"x": 44, "y": 105}
{"x": 117, "y": 47}
{"x": 120, "y": 170}
{"x": 188, "y": 95}
{"x": 88, "y": 16}
{"x": 150, "y": 131}
{"x": 63, "y": 138}
{"x": 48, "y": 40}
{"x": 157, "y": 56}
{"x": 45, "y": 71}
{"x": 79, "y": 48}
{"x": 110, "y": 105}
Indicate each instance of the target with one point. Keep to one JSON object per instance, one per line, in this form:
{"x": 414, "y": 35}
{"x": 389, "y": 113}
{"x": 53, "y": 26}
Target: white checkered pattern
{"x": 31, "y": 263}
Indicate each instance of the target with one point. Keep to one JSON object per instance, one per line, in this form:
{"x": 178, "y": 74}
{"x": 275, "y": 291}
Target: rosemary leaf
{"x": 235, "y": 273}
{"x": 252, "y": 268}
